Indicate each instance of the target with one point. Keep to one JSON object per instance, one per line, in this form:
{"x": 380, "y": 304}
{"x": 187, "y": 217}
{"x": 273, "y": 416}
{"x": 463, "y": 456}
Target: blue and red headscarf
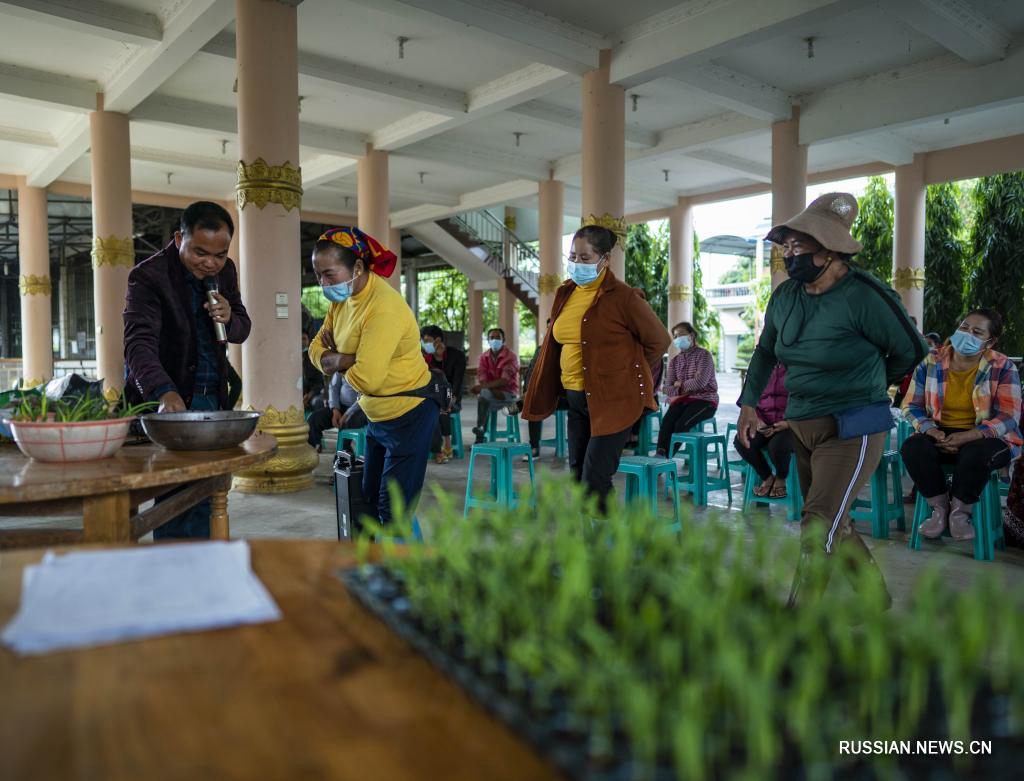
{"x": 378, "y": 258}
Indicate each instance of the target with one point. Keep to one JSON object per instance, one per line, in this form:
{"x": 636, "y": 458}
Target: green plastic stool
{"x": 511, "y": 432}
{"x": 903, "y": 432}
{"x": 987, "y": 520}
{"x": 642, "y": 474}
{"x": 737, "y": 465}
{"x": 646, "y": 439}
{"x": 793, "y": 499}
{"x": 458, "y": 448}
{"x": 358, "y": 438}
{"x": 560, "y": 442}
{"x": 879, "y": 509}
{"x": 698, "y": 482}
{"x": 502, "y": 491}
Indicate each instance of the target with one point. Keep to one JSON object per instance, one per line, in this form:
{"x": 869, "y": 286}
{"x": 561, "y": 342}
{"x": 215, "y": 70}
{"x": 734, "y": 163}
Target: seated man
{"x": 171, "y": 350}
{"x": 452, "y": 363}
{"x": 497, "y": 380}
{"x": 342, "y": 411}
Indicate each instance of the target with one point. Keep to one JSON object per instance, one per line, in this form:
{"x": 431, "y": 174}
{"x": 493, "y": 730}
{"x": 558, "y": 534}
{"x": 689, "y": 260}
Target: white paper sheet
{"x": 88, "y": 598}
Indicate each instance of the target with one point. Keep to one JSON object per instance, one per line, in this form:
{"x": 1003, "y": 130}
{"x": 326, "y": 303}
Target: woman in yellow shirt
{"x": 371, "y": 335}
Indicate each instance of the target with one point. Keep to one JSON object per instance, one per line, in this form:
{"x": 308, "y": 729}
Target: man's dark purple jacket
{"x": 160, "y": 327}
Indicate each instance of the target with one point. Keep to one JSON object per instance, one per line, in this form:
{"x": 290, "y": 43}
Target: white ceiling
{"x": 709, "y": 75}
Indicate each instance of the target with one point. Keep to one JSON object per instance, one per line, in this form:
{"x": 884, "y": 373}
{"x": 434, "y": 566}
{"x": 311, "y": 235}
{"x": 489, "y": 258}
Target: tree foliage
{"x": 742, "y": 271}
{"x": 873, "y": 229}
{"x": 647, "y": 256}
{"x": 445, "y": 304}
{"x": 996, "y": 273}
{"x": 945, "y": 252}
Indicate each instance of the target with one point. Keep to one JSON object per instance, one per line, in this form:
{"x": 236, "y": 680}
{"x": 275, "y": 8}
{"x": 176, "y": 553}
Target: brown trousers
{"x": 832, "y": 472}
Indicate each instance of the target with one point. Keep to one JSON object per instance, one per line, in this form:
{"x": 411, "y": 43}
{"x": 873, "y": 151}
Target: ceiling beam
{"x": 935, "y": 89}
{"x": 180, "y": 112}
{"x": 886, "y": 147}
{"x": 48, "y": 89}
{"x": 511, "y": 26}
{"x": 697, "y": 31}
{"x": 177, "y": 159}
{"x": 36, "y": 138}
{"x": 751, "y": 169}
{"x": 560, "y": 116}
{"x": 362, "y": 80}
{"x": 737, "y": 91}
{"x": 461, "y": 155}
{"x": 955, "y": 24}
{"x": 493, "y": 97}
{"x": 431, "y": 197}
{"x": 477, "y": 199}
{"x": 325, "y": 168}
{"x": 72, "y": 143}
{"x": 93, "y": 17}
{"x": 186, "y": 33}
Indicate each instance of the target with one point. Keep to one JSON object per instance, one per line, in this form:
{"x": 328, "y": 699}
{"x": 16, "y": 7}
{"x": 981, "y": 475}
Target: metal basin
{"x": 200, "y": 430}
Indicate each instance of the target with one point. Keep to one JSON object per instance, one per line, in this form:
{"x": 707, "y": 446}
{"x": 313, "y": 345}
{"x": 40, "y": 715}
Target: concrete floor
{"x": 311, "y": 513}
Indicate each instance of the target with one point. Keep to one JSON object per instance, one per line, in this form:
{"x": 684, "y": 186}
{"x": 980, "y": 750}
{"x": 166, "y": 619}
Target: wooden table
{"x": 108, "y": 492}
{"x": 326, "y": 693}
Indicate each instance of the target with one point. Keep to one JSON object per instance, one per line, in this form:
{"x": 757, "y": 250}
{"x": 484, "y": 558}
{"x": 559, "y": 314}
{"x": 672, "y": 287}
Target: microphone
{"x": 210, "y": 283}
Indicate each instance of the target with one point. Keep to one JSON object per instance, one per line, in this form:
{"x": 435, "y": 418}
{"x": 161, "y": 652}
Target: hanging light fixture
{"x": 402, "y": 41}
{"x": 665, "y": 171}
{"x": 810, "y": 47}
{"x": 518, "y": 136}
{"x": 634, "y": 98}
{"x": 421, "y": 175}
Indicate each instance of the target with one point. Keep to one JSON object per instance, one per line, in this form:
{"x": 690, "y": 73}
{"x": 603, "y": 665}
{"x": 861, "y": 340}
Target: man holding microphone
{"x": 182, "y": 308}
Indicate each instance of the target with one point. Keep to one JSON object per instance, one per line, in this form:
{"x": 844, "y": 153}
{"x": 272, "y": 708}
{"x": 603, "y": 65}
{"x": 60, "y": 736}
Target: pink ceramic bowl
{"x": 63, "y": 442}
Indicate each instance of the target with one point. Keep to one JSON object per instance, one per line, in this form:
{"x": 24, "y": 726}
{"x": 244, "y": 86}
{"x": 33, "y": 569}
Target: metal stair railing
{"x": 523, "y": 263}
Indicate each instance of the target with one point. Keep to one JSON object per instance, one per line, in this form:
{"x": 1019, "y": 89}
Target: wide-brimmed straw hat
{"x": 828, "y": 219}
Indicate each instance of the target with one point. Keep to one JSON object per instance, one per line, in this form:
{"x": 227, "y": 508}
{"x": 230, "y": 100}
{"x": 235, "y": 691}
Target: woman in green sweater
{"x": 844, "y": 338}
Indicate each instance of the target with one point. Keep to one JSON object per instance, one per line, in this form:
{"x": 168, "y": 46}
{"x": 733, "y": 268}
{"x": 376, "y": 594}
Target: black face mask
{"x": 802, "y": 269}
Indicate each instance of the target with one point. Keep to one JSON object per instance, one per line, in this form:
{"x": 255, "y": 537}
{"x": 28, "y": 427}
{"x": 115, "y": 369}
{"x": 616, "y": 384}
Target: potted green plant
{"x": 84, "y": 428}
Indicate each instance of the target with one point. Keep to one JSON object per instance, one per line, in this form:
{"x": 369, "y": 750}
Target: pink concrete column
{"x": 235, "y": 350}
{"x": 789, "y": 182}
{"x": 474, "y": 324}
{"x": 508, "y": 315}
{"x": 551, "y": 207}
{"x": 113, "y": 248}
{"x": 372, "y": 198}
{"x": 394, "y": 244}
{"x": 35, "y": 285}
{"x": 680, "y": 263}
{"x": 269, "y": 195}
{"x": 604, "y": 151}
{"x": 908, "y": 237}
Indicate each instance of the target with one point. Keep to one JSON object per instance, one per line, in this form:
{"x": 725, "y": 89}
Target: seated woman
{"x": 371, "y": 335}
{"x": 690, "y": 387}
{"x": 964, "y": 402}
{"x": 774, "y": 436}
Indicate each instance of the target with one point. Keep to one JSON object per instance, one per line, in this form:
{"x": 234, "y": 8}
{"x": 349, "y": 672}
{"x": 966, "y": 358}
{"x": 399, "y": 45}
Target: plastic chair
{"x": 458, "y": 448}
{"x": 502, "y": 489}
{"x": 511, "y": 432}
{"x": 355, "y": 435}
{"x": 735, "y": 465}
{"x": 642, "y": 473}
{"x": 879, "y": 509}
{"x": 987, "y": 521}
{"x": 560, "y": 442}
{"x": 647, "y": 439}
{"x": 793, "y": 499}
{"x": 698, "y": 482}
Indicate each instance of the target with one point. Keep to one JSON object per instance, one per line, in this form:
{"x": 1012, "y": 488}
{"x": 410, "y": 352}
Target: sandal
{"x": 761, "y": 490}
{"x": 778, "y": 490}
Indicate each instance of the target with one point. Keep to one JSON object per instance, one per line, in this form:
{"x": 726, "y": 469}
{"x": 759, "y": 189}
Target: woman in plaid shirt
{"x": 690, "y": 386}
{"x": 964, "y": 403}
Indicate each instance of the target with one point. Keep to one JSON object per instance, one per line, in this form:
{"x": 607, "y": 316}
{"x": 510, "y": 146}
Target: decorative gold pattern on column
{"x": 907, "y": 278}
{"x": 548, "y": 283}
{"x": 616, "y": 225}
{"x": 778, "y": 262}
{"x": 679, "y": 293}
{"x": 113, "y": 251}
{"x": 261, "y": 184}
{"x": 32, "y": 383}
{"x": 31, "y": 285}
{"x": 291, "y": 468}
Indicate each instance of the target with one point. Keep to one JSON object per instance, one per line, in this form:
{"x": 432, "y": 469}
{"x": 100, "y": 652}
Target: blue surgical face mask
{"x": 966, "y": 343}
{"x": 496, "y": 344}
{"x": 682, "y": 342}
{"x": 339, "y": 293}
{"x": 583, "y": 273}
{"x": 429, "y": 348}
